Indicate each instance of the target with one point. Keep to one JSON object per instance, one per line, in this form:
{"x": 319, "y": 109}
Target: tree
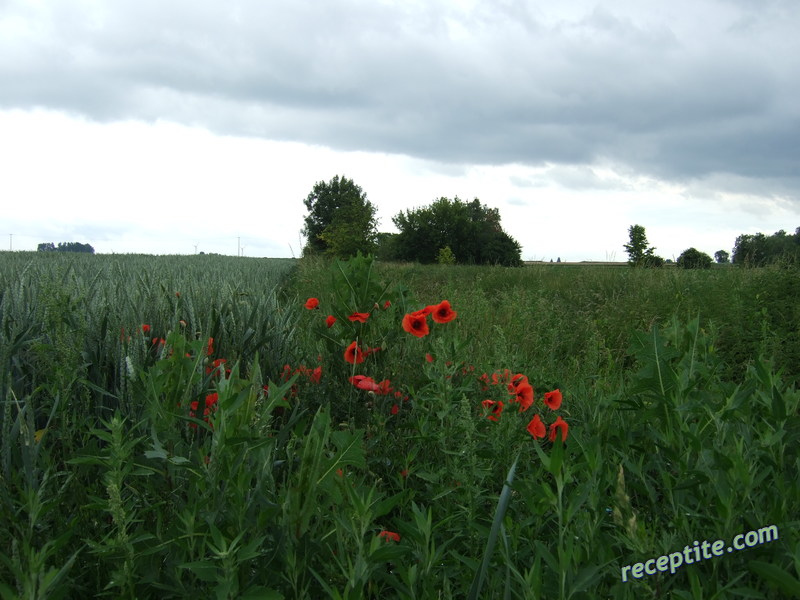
{"x": 340, "y": 220}
{"x": 721, "y": 257}
{"x": 65, "y": 247}
{"x": 692, "y": 258}
{"x": 639, "y": 254}
{"x": 758, "y": 250}
{"x": 471, "y": 230}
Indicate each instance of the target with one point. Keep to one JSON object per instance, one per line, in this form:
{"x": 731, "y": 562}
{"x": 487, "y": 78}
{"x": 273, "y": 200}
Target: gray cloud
{"x": 693, "y": 89}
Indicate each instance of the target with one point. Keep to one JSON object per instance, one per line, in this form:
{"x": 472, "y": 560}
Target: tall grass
{"x": 140, "y": 469}
{"x": 576, "y": 322}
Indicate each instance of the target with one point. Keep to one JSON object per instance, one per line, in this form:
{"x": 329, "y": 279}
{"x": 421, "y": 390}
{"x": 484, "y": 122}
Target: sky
{"x": 201, "y": 126}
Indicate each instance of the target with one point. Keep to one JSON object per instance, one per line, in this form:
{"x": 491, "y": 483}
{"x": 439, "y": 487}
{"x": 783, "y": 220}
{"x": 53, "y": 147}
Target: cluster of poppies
{"x": 361, "y": 317}
{"x": 521, "y": 392}
{"x": 517, "y": 385}
{"x": 210, "y": 406}
{"x": 416, "y": 323}
{"x": 155, "y": 342}
{"x": 313, "y": 375}
{"x": 217, "y": 368}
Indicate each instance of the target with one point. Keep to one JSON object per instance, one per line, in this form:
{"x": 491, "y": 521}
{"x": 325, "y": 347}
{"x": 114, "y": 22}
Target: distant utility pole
{"x": 238, "y": 248}
{"x": 10, "y": 246}
{"x": 195, "y": 248}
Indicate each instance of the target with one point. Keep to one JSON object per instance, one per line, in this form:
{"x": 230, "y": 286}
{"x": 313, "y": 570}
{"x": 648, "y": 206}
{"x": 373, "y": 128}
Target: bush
{"x": 692, "y": 258}
{"x": 446, "y": 256}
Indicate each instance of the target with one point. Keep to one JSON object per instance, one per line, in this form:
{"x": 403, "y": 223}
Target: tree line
{"x": 341, "y": 221}
{"x": 751, "y": 250}
{"x": 65, "y": 247}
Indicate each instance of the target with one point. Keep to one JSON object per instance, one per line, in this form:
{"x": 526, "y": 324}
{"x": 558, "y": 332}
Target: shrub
{"x": 692, "y": 258}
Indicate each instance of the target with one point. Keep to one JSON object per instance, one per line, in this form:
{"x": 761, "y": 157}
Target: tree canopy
{"x": 470, "y": 230}
{"x": 757, "y": 250}
{"x": 692, "y": 258}
{"x": 340, "y": 221}
{"x": 65, "y": 247}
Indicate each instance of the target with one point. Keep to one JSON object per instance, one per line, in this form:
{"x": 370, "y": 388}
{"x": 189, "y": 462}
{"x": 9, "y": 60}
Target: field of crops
{"x": 209, "y": 426}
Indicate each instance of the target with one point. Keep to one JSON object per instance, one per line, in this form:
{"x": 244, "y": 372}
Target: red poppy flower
{"x": 499, "y": 377}
{"x": 560, "y": 424}
{"x": 524, "y": 395}
{"x": 330, "y": 320}
{"x": 536, "y": 427}
{"x": 404, "y": 473}
{"x": 395, "y": 409}
{"x": 311, "y": 303}
{"x": 363, "y": 382}
{"x": 216, "y": 367}
{"x": 516, "y": 381}
{"x": 496, "y": 409}
{"x": 353, "y": 354}
{"x": 553, "y": 399}
{"x": 193, "y": 412}
{"x": 369, "y": 351}
{"x": 416, "y": 324}
{"x": 145, "y": 329}
{"x": 315, "y": 375}
{"x": 360, "y": 317}
{"x": 210, "y": 347}
{"x": 386, "y": 305}
{"x": 429, "y": 357}
{"x": 484, "y": 379}
{"x": 389, "y": 535}
{"x": 442, "y": 313}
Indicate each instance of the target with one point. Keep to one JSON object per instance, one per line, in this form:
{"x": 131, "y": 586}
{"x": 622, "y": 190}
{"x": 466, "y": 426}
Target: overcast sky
{"x": 189, "y": 125}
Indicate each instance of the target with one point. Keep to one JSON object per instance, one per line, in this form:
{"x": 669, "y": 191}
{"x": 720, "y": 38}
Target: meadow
{"x": 274, "y": 428}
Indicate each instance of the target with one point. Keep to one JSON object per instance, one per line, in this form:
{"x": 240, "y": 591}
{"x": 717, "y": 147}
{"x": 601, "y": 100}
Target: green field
{"x": 180, "y": 427}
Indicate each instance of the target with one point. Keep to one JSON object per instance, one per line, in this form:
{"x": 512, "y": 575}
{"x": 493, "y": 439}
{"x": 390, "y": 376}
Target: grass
{"x": 679, "y": 389}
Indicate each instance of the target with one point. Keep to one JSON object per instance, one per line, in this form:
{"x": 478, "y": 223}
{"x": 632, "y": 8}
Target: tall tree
{"x": 340, "y": 219}
{"x": 470, "y": 230}
{"x": 639, "y": 254}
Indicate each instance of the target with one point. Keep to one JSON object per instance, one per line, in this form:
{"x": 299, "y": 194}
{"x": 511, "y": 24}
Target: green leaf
{"x": 6, "y": 593}
{"x": 203, "y": 570}
{"x": 776, "y": 576}
{"x": 542, "y": 551}
{"x": 499, "y": 515}
{"x": 261, "y": 593}
{"x": 778, "y": 405}
{"x": 747, "y": 593}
